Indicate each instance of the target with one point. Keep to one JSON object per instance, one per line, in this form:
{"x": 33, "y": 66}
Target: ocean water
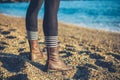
{"x": 102, "y": 15}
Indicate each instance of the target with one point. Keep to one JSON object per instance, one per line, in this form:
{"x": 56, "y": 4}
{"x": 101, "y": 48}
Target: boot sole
{"x": 63, "y": 72}
{"x": 49, "y": 71}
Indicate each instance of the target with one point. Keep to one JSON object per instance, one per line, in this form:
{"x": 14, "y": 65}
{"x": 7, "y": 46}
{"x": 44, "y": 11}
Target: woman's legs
{"x": 32, "y": 28}
{"x": 31, "y": 19}
{"x": 50, "y": 23}
{"x": 50, "y": 27}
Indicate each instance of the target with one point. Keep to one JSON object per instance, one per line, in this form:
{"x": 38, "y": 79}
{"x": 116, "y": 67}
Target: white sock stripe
{"x": 51, "y": 42}
{"x": 50, "y": 36}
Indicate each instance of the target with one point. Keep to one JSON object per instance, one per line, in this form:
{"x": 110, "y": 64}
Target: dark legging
{"x": 50, "y": 23}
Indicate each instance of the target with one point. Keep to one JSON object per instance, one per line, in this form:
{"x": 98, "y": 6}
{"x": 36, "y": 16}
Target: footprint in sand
{"x": 3, "y": 43}
{"x": 11, "y": 37}
{"x": 22, "y": 42}
{"x": 21, "y": 49}
{"x": 12, "y": 63}
{"x": 67, "y": 54}
{"x": 116, "y": 56}
{"x": 82, "y": 73}
{"x": 12, "y": 30}
{"x": 104, "y": 64}
{"x": 91, "y": 66}
{"x": 2, "y": 47}
{"x": 96, "y": 56}
{"x": 5, "y": 32}
{"x": 18, "y": 77}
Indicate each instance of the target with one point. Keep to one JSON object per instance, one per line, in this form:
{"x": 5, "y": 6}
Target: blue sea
{"x": 102, "y": 15}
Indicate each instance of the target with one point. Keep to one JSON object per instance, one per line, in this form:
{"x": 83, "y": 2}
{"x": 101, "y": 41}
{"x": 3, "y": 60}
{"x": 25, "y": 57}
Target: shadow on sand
{"x": 16, "y": 63}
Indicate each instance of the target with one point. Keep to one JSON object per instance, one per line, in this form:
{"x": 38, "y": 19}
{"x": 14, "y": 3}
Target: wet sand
{"x": 94, "y": 54}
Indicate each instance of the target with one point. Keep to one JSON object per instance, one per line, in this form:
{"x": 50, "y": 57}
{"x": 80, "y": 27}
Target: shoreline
{"x": 70, "y": 24}
{"x": 75, "y": 25}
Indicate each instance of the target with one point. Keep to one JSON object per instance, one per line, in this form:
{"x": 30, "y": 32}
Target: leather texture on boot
{"x": 36, "y": 54}
{"x": 54, "y": 62}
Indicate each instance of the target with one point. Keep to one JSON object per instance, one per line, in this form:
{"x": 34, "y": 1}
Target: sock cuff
{"x": 51, "y": 41}
{"x": 32, "y": 35}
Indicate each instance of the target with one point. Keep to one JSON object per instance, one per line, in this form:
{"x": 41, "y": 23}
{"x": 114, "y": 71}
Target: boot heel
{"x": 56, "y": 71}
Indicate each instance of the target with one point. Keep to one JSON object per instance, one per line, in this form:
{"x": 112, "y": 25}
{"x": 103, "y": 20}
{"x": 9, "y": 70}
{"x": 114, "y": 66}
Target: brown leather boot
{"x": 35, "y": 53}
{"x": 54, "y": 62}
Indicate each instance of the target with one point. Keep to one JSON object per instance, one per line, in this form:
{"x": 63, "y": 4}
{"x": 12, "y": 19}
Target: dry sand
{"x": 95, "y": 54}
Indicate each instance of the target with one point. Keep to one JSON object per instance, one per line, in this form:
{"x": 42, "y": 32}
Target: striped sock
{"x": 51, "y": 41}
{"x": 32, "y": 35}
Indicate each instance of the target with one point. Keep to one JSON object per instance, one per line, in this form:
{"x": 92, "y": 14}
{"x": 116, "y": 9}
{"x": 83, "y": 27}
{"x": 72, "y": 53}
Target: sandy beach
{"x": 94, "y": 54}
